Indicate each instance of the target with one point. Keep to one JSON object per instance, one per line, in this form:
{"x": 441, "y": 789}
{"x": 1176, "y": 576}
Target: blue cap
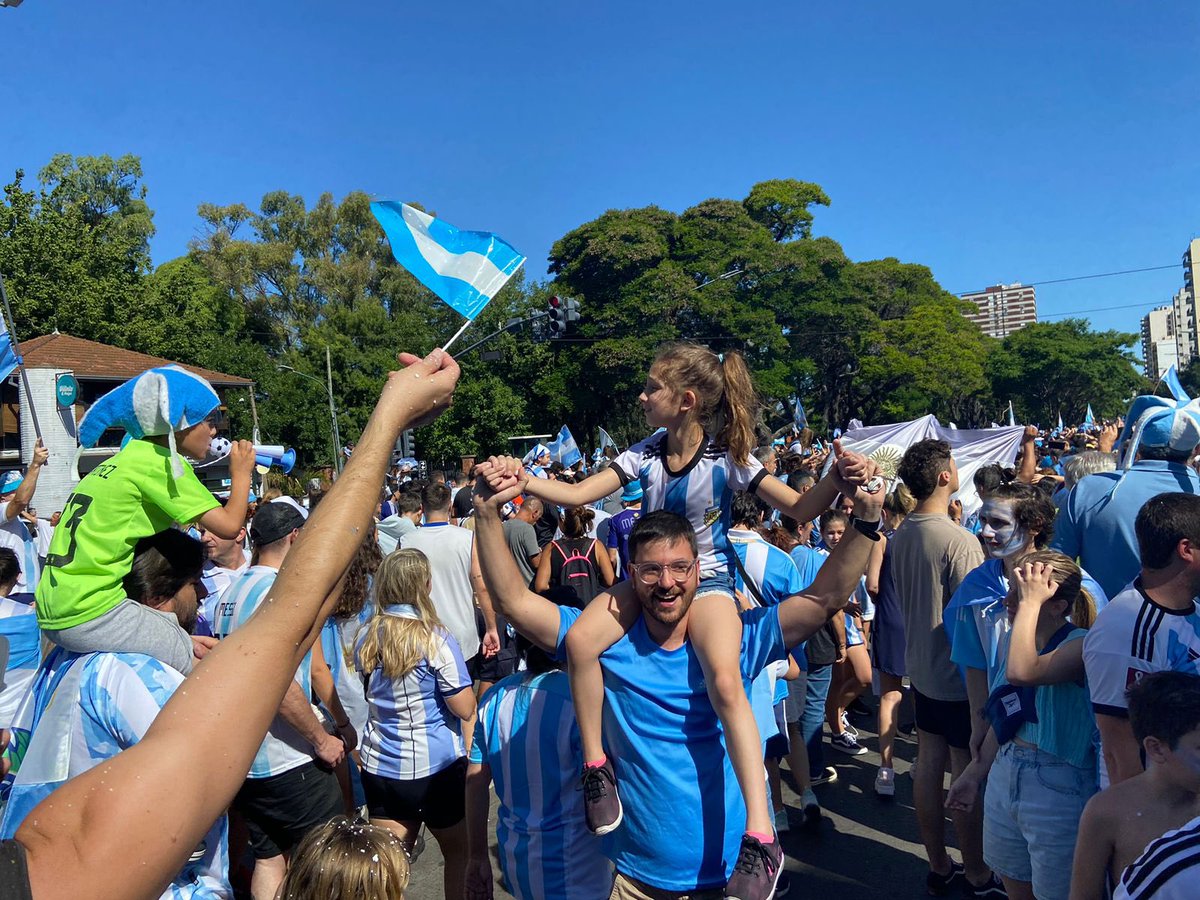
{"x": 632, "y": 492}
{"x": 12, "y": 481}
{"x": 1160, "y": 423}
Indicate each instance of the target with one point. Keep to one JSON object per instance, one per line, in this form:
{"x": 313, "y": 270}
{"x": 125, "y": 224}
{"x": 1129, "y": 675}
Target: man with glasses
{"x": 661, "y": 729}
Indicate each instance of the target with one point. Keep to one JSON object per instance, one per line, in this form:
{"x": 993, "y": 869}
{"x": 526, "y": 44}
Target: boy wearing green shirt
{"x": 144, "y": 488}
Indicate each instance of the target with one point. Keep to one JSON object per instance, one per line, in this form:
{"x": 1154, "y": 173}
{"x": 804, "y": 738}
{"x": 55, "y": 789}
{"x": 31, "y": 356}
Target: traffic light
{"x": 572, "y": 311}
{"x": 558, "y": 317}
{"x": 407, "y": 447}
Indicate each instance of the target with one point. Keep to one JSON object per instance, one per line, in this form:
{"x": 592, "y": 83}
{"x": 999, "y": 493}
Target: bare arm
{"x": 1035, "y": 587}
{"x": 23, "y": 495}
{"x": 591, "y": 489}
{"x": 479, "y": 864}
{"x": 541, "y": 579}
{"x": 491, "y": 637}
{"x": 461, "y": 703}
{"x": 1122, "y": 757}
{"x": 803, "y": 615}
{"x": 226, "y": 521}
{"x": 607, "y": 573}
{"x": 875, "y": 567}
{"x": 92, "y": 837}
{"x": 326, "y": 690}
{"x": 1028, "y": 465}
{"x": 1093, "y": 852}
{"x": 535, "y": 617}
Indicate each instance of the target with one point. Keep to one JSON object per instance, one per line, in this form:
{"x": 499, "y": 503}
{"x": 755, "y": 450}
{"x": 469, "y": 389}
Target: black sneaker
{"x": 756, "y": 871}
{"x": 992, "y": 889}
{"x": 601, "y": 805}
{"x": 939, "y": 885}
{"x": 784, "y": 886}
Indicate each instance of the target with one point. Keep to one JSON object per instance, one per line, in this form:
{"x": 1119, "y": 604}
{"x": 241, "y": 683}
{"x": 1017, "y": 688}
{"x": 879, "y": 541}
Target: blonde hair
{"x": 1068, "y": 575}
{"x": 347, "y": 859}
{"x": 726, "y": 403}
{"x": 397, "y": 644}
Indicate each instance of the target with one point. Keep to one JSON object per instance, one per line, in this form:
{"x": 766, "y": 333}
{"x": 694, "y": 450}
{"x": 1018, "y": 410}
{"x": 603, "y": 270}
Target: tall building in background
{"x": 1185, "y": 306}
{"x": 1003, "y": 308}
{"x": 1160, "y": 348}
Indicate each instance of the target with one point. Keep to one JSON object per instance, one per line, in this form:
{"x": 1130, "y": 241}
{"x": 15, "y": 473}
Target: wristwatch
{"x": 867, "y": 529}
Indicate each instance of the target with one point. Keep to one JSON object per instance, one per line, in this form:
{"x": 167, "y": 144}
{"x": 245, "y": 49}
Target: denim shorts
{"x": 716, "y": 583}
{"x": 1031, "y": 811}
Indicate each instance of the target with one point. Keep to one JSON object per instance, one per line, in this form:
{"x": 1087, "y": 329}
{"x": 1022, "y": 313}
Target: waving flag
{"x": 1012, "y": 419}
{"x": 799, "y": 419}
{"x": 563, "y": 448}
{"x": 606, "y": 441}
{"x": 8, "y": 356}
{"x": 1171, "y": 377}
{"x": 1059, "y": 427}
{"x": 465, "y": 269}
{"x": 1088, "y": 419}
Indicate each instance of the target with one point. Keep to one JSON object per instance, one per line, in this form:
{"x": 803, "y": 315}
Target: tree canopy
{"x": 275, "y": 286}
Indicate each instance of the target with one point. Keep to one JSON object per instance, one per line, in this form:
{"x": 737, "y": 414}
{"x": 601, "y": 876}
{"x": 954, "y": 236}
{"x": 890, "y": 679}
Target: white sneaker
{"x": 781, "y": 822}
{"x": 847, "y": 743}
{"x": 847, "y": 728}
{"x": 885, "y": 782}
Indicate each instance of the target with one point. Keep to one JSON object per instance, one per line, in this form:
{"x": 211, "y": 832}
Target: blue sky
{"x": 992, "y": 142}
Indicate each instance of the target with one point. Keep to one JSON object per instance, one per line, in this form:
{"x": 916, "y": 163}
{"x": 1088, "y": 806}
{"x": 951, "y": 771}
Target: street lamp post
{"x": 334, "y": 434}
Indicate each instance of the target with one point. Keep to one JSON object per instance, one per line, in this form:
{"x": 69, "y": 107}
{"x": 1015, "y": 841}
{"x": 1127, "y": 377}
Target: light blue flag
{"x": 563, "y": 448}
{"x": 8, "y": 357}
{"x": 607, "y": 441}
{"x": 1012, "y": 417}
{"x": 1058, "y": 429}
{"x": 1088, "y": 419}
{"x": 1171, "y": 377}
{"x": 466, "y": 269}
{"x": 799, "y": 419}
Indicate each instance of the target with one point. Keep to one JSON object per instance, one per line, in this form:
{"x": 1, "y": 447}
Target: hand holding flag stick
{"x": 466, "y": 269}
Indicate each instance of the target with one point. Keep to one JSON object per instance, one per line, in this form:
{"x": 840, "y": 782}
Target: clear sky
{"x": 1017, "y": 141}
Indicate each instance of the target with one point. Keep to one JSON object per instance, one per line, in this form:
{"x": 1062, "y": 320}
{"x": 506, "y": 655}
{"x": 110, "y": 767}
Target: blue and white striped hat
{"x": 159, "y": 401}
{"x": 1161, "y": 423}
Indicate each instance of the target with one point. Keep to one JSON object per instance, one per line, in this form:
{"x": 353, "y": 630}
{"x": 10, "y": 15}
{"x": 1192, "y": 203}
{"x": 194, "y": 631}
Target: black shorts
{"x": 280, "y": 810}
{"x": 439, "y": 800}
{"x": 492, "y": 669}
{"x": 950, "y": 719}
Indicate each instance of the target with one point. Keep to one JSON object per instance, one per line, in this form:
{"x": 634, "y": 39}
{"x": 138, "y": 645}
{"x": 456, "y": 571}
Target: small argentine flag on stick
{"x": 466, "y": 269}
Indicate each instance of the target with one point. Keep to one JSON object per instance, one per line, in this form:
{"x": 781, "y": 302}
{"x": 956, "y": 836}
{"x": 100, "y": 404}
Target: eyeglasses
{"x": 650, "y": 573}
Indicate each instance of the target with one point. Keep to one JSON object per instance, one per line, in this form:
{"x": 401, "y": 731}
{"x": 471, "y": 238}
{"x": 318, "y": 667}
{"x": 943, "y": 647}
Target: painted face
{"x": 1002, "y": 536}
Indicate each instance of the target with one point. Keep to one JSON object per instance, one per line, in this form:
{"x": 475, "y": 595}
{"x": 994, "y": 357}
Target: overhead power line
{"x": 1081, "y": 278}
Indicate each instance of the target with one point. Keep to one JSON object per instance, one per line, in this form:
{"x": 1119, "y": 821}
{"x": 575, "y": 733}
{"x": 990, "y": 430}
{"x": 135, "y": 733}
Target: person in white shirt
{"x": 226, "y": 558}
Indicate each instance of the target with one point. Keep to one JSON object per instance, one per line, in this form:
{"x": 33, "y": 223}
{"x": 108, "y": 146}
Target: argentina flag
{"x": 8, "y": 356}
{"x": 1174, "y": 385}
{"x": 563, "y": 448}
{"x": 465, "y": 269}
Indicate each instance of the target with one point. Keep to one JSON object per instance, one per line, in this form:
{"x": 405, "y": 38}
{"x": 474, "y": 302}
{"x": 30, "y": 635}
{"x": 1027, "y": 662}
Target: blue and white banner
{"x": 799, "y": 418}
{"x": 1171, "y": 377}
{"x": 8, "y": 357}
{"x": 972, "y": 448}
{"x": 606, "y": 441}
{"x": 1012, "y": 418}
{"x": 1089, "y": 420}
{"x": 466, "y": 269}
{"x": 563, "y": 448}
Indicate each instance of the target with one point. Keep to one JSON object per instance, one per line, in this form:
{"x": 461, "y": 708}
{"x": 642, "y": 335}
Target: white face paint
{"x": 1002, "y": 536}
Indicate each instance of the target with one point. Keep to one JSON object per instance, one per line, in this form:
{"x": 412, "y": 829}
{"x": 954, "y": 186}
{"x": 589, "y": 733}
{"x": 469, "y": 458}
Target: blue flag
{"x": 1171, "y": 377}
{"x": 799, "y": 419}
{"x": 1088, "y": 419}
{"x": 8, "y": 358}
{"x": 607, "y": 441}
{"x": 465, "y": 269}
{"x": 563, "y": 448}
{"x": 1012, "y": 418}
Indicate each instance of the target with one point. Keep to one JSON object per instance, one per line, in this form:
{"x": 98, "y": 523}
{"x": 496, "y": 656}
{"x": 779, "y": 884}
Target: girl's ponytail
{"x": 739, "y": 408}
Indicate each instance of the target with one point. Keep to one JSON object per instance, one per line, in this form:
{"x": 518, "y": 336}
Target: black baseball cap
{"x": 274, "y": 521}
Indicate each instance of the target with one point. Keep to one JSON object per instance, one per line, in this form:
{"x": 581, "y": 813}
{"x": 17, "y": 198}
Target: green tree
{"x": 1050, "y": 368}
{"x": 783, "y": 206}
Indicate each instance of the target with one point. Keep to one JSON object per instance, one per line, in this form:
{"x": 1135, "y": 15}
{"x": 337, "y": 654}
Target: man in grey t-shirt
{"x": 930, "y": 557}
{"x": 522, "y": 540}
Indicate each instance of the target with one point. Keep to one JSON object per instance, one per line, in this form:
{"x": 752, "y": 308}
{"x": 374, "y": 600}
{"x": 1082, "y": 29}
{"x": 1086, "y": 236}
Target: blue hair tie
{"x": 721, "y": 358}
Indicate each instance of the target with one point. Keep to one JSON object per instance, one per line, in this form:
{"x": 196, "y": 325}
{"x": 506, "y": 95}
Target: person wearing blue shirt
{"x": 1096, "y": 522}
{"x": 659, "y": 723}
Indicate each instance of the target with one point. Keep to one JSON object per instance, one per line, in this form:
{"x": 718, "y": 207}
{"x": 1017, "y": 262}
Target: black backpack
{"x": 577, "y": 571}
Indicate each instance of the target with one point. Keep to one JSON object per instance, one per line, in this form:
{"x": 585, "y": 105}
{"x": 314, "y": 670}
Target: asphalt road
{"x": 866, "y": 848}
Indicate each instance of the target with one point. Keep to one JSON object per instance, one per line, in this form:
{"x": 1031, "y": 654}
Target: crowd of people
{"x": 592, "y": 681}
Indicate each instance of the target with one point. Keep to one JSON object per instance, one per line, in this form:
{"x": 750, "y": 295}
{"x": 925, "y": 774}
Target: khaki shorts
{"x": 626, "y": 888}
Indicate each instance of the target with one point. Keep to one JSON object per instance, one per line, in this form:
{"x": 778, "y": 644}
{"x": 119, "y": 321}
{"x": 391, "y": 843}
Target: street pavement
{"x": 866, "y": 848}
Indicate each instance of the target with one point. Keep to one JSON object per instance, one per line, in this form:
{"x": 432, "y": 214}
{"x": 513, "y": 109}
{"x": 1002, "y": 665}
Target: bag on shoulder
{"x": 577, "y": 571}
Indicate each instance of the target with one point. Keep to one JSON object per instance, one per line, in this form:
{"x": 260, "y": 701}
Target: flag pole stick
{"x": 457, "y": 335}
{"x": 12, "y": 336}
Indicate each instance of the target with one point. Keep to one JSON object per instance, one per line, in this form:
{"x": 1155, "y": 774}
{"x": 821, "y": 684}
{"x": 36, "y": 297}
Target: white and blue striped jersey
{"x": 82, "y": 711}
{"x": 528, "y": 737}
{"x": 1168, "y": 869}
{"x": 284, "y": 748}
{"x": 18, "y": 624}
{"x": 22, "y": 539}
{"x": 411, "y": 733}
{"x": 216, "y": 580}
{"x": 701, "y": 491}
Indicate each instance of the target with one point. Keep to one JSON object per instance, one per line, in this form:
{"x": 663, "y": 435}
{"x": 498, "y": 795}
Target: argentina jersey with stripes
{"x": 284, "y": 748}
{"x": 528, "y": 737}
{"x": 701, "y": 491}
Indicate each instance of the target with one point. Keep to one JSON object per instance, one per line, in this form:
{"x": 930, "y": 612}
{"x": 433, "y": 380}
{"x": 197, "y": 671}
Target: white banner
{"x": 885, "y": 444}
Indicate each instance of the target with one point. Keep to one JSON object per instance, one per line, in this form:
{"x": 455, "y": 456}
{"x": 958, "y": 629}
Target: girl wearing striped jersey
{"x": 704, "y": 406}
{"x": 418, "y": 695}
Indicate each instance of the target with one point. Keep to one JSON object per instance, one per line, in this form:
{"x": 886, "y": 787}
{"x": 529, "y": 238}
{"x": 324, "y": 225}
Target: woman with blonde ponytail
{"x": 1039, "y": 755}
{"x": 705, "y": 407}
{"x": 418, "y": 695}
